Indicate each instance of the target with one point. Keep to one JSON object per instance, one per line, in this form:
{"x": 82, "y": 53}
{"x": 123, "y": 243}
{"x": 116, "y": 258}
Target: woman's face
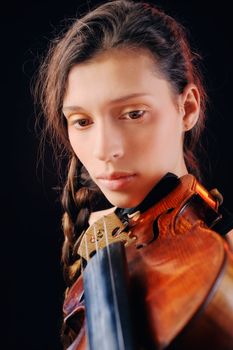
{"x": 124, "y": 124}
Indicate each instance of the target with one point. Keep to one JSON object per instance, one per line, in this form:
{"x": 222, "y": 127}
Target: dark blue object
{"x": 106, "y": 300}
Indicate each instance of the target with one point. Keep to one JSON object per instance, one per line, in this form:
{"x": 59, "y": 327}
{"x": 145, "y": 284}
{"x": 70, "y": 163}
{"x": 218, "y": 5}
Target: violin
{"x": 158, "y": 279}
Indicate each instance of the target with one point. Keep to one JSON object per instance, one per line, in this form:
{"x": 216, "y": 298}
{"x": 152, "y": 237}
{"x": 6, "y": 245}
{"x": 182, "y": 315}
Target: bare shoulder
{"x": 98, "y": 214}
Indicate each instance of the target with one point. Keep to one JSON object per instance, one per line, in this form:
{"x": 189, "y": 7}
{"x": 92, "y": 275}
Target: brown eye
{"x": 81, "y": 123}
{"x": 136, "y": 114}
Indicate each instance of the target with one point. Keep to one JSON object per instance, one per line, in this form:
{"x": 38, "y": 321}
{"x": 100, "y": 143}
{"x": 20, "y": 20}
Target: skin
{"x": 108, "y": 139}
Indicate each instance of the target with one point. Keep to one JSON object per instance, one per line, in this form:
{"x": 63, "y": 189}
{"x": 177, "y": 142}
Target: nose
{"x": 108, "y": 144}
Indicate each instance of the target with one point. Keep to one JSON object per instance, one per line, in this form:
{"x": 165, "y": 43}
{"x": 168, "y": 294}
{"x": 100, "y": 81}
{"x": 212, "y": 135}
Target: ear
{"x": 190, "y": 106}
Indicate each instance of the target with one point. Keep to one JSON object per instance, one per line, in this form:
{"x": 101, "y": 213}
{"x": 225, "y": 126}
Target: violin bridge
{"x": 106, "y": 230}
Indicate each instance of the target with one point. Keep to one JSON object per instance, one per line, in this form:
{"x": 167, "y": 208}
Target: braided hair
{"x": 78, "y": 198}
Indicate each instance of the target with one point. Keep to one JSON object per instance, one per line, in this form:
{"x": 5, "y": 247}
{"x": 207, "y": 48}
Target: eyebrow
{"x": 117, "y": 100}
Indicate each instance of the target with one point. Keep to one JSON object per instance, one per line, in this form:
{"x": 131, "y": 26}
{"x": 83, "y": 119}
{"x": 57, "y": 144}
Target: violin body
{"x": 180, "y": 275}
{"x": 189, "y": 286}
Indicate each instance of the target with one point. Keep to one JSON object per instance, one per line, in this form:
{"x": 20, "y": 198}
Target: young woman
{"x": 122, "y": 93}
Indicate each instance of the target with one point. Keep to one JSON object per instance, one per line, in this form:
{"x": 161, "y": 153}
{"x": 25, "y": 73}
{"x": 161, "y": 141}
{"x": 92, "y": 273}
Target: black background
{"x": 31, "y": 236}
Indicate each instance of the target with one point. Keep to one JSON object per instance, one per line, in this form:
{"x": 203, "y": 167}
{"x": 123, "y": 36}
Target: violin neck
{"x": 107, "y": 301}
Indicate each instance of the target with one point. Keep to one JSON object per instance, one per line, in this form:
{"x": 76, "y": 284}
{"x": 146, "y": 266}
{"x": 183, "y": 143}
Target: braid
{"x": 80, "y": 197}
{"x": 77, "y": 204}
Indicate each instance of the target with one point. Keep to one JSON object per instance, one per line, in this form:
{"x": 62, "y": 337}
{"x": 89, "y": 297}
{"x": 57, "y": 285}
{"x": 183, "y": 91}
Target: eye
{"x": 135, "y": 114}
{"x": 81, "y": 123}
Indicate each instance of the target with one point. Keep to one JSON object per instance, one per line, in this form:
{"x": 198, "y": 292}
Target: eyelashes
{"x": 139, "y": 114}
{"x": 82, "y": 123}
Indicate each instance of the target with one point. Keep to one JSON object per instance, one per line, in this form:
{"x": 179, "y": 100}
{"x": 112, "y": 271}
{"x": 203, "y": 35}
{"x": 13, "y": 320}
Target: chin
{"x": 122, "y": 200}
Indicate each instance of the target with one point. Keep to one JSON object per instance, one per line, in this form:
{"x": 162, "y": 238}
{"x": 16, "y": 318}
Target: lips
{"x": 114, "y": 176}
{"x": 116, "y": 181}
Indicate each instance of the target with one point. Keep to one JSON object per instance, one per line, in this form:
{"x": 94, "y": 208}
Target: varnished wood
{"x": 182, "y": 281}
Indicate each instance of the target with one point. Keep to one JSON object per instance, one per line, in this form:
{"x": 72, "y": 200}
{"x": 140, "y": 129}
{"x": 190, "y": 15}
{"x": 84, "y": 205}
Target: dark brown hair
{"x": 115, "y": 24}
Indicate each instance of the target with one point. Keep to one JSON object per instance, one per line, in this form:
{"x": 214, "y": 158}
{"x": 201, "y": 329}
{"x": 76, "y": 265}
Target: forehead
{"x": 112, "y": 74}
{"x": 118, "y": 62}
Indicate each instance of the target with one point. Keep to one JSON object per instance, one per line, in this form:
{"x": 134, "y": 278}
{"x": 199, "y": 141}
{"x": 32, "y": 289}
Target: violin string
{"x": 101, "y": 319}
{"x": 86, "y": 246}
{"x": 81, "y": 260}
{"x": 116, "y": 308}
{"x": 96, "y": 241}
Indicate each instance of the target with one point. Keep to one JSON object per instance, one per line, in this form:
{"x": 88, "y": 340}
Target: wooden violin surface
{"x": 181, "y": 276}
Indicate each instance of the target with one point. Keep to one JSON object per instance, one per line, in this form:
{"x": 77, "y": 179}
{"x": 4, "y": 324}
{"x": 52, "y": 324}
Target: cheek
{"x": 73, "y": 141}
{"x": 78, "y": 145}
{"x": 171, "y": 128}
{"x": 159, "y": 140}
